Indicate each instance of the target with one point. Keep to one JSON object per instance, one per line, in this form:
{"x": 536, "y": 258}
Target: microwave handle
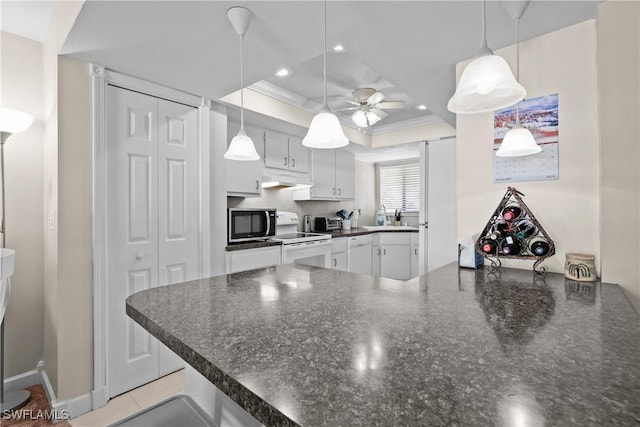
{"x": 268, "y": 222}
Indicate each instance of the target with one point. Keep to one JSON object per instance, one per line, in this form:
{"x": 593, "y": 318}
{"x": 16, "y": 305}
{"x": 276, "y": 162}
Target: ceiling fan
{"x": 369, "y": 107}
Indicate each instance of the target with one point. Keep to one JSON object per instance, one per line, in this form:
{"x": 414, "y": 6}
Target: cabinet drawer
{"x": 395, "y": 238}
{"x": 360, "y": 240}
{"x": 338, "y": 245}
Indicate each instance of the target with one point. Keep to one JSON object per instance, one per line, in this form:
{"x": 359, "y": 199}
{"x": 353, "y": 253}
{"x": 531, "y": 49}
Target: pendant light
{"x": 487, "y": 83}
{"x": 518, "y": 141}
{"x": 325, "y": 130}
{"x": 241, "y": 147}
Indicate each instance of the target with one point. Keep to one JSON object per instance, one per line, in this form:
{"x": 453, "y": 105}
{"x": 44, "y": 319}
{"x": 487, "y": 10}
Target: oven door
{"x": 251, "y": 224}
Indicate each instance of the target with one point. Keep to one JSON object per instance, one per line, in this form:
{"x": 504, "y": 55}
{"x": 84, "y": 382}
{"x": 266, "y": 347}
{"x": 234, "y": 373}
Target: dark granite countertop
{"x": 251, "y": 245}
{"x": 299, "y": 345}
{"x": 362, "y": 231}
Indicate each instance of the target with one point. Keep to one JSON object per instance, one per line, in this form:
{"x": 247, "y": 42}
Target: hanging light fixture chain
{"x": 324, "y": 46}
{"x": 518, "y": 66}
{"x": 241, "y": 82}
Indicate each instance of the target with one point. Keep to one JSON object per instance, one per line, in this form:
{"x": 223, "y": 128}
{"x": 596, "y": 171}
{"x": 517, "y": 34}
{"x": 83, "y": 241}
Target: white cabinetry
{"x": 360, "y": 254}
{"x": 333, "y": 175}
{"x": 285, "y": 152}
{"x": 250, "y": 259}
{"x": 415, "y": 250}
{"x": 339, "y": 254}
{"x": 391, "y": 255}
{"x": 244, "y": 179}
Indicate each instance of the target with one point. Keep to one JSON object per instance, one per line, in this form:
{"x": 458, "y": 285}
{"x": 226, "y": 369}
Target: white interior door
{"x": 153, "y": 203}
{"x": 132, "y": 203}
{"x": 178, "y": 242}
{"x": 438, "y": 244}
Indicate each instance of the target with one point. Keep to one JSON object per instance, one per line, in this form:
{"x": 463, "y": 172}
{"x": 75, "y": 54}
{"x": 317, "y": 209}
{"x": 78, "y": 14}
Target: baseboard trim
{"x": 99, "y": 398}
{"x": 73, "y": 407}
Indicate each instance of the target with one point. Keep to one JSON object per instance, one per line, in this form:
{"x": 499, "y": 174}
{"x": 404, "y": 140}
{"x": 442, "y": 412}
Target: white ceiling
{"x": 28, "y": 19}
{"x": 407, "y": 48}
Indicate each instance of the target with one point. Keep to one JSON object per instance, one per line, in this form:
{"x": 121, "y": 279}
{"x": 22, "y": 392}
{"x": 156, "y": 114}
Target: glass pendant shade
{"x": 486, "y": 84}
{"x": 241, "y": 148}
{"x": 325, "y": 132}
{"x": 360, "y": 119}
{"x": 14, "y": 121}
{"x": 518, "y": 142}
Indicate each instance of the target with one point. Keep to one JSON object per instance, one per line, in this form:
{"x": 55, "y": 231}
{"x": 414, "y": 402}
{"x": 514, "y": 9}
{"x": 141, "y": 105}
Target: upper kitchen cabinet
{"x": 244, "y": 179}
{"x": 285, "y": 152}
{"x": 333, "y": 175}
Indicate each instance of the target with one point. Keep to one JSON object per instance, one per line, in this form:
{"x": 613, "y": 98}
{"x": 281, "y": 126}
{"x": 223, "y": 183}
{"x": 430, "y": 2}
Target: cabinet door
{"x": 298, "y": 155}
{"x": 376, "y": 254}
{"x": 323, "y": 167}
{"x": 415, "y": 259}
{"x": 395, "y": 262}
{"x": 245, "y": 178}
{"x": 345, "y": 175}
{"x": 276, "y": 150}
{"x": 339, "y": 261}
{"x": 360, "y": 258}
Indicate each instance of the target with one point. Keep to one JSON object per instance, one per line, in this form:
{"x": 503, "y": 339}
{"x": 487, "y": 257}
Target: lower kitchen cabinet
{"x": 249, "y": 259}
{"x": 339, "y": 254}
{"x": 415, "y": 251}
{"x": 391, "y": 256}
{"x": 360, "y": 254}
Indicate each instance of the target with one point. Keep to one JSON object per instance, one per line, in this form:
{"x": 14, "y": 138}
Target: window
{"x": 400, "y": 187}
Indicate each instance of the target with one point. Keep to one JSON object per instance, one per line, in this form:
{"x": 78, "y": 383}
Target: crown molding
{"x": 431, "y": 119}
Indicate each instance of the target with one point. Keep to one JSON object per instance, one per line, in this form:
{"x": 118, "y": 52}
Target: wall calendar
{"x": 540, "y": 116}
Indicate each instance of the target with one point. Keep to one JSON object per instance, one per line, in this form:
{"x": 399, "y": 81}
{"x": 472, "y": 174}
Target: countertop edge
{"x": 256, "y": 406}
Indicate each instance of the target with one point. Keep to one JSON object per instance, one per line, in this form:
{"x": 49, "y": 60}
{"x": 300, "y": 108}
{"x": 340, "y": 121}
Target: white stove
{"x": 303, "y": 248}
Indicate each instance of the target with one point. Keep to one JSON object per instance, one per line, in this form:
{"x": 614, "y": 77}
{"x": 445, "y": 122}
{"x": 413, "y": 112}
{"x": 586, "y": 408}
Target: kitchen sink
{"x": 388, "y": 227}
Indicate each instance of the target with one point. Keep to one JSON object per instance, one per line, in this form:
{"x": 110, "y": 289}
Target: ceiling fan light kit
{"x": 518, "y": 141}
{"x": 325, "y": 130}
{"x": 487, "y": 83}
{"x": 241, "y": 147}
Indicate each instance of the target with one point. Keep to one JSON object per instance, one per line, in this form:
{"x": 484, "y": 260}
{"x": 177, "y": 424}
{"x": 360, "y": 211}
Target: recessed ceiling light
{"x": 282, "y": 72}
{"x": 421, "y": 107}
{"x": 338, "y": 48}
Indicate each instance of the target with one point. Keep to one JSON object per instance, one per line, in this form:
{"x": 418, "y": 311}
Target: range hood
{"x": 286, "y": 180}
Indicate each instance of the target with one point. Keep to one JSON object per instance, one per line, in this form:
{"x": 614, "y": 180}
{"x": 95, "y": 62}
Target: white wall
{"x": 21, "y": 88}
{"x": 619, "y": 90}
{"x": 562, "y": 62}
{"x": 282, "y": 199}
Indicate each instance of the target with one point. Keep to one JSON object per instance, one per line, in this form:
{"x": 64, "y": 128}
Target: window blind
{"x": 400, "y": 187}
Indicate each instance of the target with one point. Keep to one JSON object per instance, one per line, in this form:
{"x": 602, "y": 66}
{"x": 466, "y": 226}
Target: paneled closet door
{"x": 178, "y": 204}
{"x": 132, "y": 206}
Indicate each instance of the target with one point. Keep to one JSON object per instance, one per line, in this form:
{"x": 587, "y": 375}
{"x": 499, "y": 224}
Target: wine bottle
{"x": 525, "y": 229}
{"x": 511, "y": 245}
{"x": 539, "y": 246}
{"x": 488, "y": 246}
{"x": 512, "y": 211}
{"x": 499, "y": 229}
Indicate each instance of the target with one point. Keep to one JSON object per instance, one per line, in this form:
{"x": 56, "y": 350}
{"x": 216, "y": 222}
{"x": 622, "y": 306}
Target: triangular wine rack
{"x": 514, "y": 232}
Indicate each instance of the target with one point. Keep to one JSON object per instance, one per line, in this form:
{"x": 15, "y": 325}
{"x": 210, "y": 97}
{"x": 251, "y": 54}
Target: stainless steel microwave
{"x": 247, "y": 225}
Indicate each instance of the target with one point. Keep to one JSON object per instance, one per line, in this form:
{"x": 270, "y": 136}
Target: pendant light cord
{"x": 241, "y": 83}
{"x": 484, "y": 24}
{"x": 518, "y": 66}
{"x": 325, "y": 53}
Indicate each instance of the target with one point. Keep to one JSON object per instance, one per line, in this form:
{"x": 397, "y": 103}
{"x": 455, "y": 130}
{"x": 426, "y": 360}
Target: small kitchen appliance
{"x": 323, "y": 224}
{"x": 246, "y": 225}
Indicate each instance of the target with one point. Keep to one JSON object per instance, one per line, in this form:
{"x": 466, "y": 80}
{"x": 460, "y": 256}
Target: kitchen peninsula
{"x": 301, "y": 345}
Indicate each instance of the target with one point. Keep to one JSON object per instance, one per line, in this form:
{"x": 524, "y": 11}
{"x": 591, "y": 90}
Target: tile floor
{"x": 134, "y": 401}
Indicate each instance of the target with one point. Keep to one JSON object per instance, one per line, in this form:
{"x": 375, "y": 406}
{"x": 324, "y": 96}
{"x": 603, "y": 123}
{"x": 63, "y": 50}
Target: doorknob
{"x": 139, "y": 256}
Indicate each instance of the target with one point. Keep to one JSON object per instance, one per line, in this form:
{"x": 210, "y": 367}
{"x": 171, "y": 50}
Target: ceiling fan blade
{"x": 349, "y": 101}
{"x": 391, "y": 105}
{"x": 375, "y": 98}
{"x": 347, "y": 109}
{"x": 378, "y": 112}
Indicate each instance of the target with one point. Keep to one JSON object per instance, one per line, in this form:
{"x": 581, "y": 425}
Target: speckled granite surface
{"x": 298, "y": 345}
{"x": 251, "y": 245}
